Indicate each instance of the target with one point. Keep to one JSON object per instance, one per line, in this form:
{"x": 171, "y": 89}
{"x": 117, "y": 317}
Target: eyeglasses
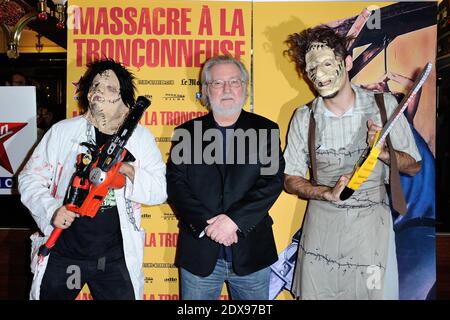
{"x": 233, "y": 83}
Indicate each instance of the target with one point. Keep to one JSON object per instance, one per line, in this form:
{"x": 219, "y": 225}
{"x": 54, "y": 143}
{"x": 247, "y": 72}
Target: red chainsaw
{"x": 97, "y": 171}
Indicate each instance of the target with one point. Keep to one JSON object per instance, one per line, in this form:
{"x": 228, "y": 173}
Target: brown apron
{"x": 344, "y": 245}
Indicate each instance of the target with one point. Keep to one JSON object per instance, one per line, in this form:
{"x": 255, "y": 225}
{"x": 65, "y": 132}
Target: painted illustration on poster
{"x": 374, "y": 30}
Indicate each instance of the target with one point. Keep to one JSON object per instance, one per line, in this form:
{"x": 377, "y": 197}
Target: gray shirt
{"x": 336, "y": 133}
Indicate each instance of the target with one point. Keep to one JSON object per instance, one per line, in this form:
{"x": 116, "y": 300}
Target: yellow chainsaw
{"x": 369, "y": 157}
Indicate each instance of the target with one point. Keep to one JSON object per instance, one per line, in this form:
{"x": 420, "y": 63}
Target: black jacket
{"x": 198, "y": 192}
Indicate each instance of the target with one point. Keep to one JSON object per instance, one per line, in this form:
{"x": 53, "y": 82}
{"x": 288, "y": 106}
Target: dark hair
{"x": 299, "y": 43}
{"x": 18, "y": 73}
{"x": 126, "y": 78}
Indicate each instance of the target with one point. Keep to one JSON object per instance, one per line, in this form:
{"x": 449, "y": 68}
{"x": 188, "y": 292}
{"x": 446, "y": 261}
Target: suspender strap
{"x": 398, "y": 201}
{"x": 312, "y": 145}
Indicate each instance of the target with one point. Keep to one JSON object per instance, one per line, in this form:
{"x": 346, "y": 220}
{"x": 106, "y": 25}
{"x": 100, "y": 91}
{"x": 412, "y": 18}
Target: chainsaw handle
{"x": 44, "y": 250}
{"x": 346, "y": 193}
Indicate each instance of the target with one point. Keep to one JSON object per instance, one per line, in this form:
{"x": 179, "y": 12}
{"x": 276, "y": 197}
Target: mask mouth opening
{"x": 322, "y": 84}
{"x": 97, "y": 98}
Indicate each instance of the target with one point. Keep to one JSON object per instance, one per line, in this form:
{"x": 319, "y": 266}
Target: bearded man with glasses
{"x": 222, "y": 199}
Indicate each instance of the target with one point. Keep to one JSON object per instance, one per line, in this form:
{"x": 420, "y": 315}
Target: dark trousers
{"x": 108, "y": 279}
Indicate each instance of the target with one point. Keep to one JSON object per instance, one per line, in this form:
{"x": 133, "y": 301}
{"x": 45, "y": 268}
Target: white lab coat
{"x": 45, "y": 178}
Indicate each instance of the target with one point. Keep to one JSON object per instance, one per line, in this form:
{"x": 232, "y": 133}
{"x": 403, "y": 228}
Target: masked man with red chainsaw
{"x": 106, "y": 250}
{"x": 347, "y": 248}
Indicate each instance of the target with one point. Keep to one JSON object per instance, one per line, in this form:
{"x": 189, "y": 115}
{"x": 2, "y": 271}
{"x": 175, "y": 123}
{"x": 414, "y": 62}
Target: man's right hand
{"x": 63, "y": 218}
{"x": 222, "y": 229}
{"x": 332, "y": 194}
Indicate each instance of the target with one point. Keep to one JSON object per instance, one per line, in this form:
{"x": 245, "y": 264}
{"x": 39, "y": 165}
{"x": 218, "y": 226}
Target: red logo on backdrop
{"x": 77, "y": 85}
{"x": 7, "y": 130}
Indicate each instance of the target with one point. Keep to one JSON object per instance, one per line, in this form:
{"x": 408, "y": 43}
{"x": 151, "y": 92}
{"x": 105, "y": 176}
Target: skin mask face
{"x": 325, "y": 71}
{"x": 106, "y": 108}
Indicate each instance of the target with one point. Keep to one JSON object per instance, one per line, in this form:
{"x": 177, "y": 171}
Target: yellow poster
{"x": 164, "y": 43}
{"x": 400, "y": 29}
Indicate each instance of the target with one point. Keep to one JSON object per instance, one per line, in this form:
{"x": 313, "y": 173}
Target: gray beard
{"x": 227, "y": 111}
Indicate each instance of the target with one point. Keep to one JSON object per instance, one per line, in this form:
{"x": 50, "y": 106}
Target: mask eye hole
{"x": 112, "y": 89}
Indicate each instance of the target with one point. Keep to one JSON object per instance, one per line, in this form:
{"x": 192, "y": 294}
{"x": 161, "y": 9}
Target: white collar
{"x": 330, "y": 114}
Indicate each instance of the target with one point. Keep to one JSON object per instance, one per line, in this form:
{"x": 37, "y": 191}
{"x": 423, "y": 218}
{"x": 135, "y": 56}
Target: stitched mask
{"x": 106, "y": 108}
{"x": 325, "y": 71}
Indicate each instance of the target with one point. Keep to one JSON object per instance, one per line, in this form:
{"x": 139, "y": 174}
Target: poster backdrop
{"x": 165, "y": 42}
{"x": 383, "y": 60}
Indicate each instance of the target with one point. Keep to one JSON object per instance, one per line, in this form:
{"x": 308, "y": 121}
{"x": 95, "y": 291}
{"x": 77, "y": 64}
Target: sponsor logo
{"x": 76, "y": 84}
{"x": 190, "y": 82}
{"x": 163, "y": 139}
{"x": 174, "y": 97}
{"x": 8, "y": 130}
{"x": 148, "y": 279}
{"x": 8, "y": 182}
{"x": 146, "y": 216}
{"x": 159, "y": 265}
{"x": 156, "y": 82}
{"x": 169, "y": 216}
